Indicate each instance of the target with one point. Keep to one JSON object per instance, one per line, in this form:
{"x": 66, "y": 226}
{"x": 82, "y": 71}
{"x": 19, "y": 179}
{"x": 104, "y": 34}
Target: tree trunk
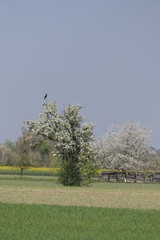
{"x": 80, "y": 182}
{"x": 22, "y": 171}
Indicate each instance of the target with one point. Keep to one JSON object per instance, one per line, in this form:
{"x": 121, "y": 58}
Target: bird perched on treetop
{"x": 45, "y": 96}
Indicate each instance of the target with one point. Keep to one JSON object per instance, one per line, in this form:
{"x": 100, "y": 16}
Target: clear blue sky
{"x": 102, "y": 53}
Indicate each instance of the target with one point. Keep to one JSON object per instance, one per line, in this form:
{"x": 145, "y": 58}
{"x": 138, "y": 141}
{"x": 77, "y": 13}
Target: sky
{"x": 103, "y": 54}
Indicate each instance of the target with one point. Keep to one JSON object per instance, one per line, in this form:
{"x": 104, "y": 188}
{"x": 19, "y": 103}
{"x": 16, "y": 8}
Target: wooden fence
{"x": 130, "y": 176}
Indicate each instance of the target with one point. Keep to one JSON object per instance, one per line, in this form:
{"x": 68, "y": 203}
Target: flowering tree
{"x": 126, "y": 147}
{"x": 72, "y": 140}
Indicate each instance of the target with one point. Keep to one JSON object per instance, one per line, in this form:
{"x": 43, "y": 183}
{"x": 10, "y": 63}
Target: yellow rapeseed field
{"x": 38, "y": 169}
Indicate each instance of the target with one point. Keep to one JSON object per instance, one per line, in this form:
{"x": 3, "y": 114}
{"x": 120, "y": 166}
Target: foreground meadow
{"x": 40, "y": 208}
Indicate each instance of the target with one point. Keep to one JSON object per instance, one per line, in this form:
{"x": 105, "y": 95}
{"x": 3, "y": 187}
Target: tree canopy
{"x": 72, "y": 138}
{"x": 126, "y": 147}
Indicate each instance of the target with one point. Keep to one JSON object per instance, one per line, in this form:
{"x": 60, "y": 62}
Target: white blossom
{"x": 126, "y": 147}
{"x": 72, "y": 139}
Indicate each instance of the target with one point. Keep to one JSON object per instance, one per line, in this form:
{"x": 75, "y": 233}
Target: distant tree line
{"x": 21, "y": 154}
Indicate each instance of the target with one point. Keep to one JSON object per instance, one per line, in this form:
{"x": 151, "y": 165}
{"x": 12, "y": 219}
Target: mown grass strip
{"x": 32, "y": 171}
{"x": 137, "y": 196}
{"x": 28, "y": 222}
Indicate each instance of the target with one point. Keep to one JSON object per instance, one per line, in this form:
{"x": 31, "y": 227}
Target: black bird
{"x": 45, "y": 96}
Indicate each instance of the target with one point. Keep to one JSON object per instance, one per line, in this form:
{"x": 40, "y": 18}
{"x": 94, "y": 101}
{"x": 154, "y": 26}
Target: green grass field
{"x": 31, "y": 171}
{"x": 75, "y": 223}
{"x": 34, "y": 208}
